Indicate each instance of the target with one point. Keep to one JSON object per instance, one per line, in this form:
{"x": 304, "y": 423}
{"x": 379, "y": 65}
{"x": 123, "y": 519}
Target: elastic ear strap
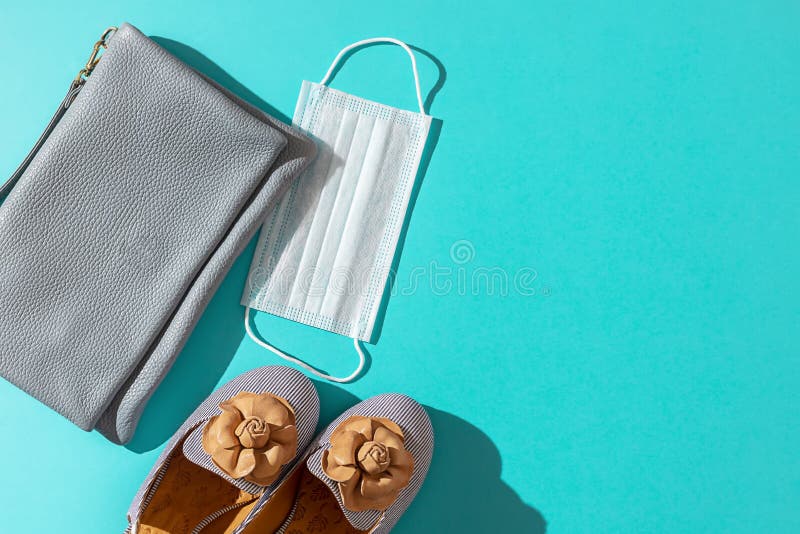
{"x": 278, "y": 352}
{"x": 391, "y": 40}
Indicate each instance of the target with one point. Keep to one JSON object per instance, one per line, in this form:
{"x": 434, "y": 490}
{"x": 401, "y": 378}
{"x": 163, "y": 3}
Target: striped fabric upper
{"x": 278, "y": 380}
{"x": 418, "y": 431}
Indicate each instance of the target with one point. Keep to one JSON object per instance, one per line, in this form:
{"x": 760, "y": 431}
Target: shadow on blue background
{"x": 463, "y": 491}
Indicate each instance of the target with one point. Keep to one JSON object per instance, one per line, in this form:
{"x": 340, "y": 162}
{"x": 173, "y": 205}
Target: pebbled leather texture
{"x": 123, "y": 225}
{"x": 118, "y": 423}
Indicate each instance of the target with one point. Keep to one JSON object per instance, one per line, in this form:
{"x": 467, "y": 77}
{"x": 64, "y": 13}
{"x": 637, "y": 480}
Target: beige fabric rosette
{"x": 368, "y": 459}
{"x": 253, "y": 437}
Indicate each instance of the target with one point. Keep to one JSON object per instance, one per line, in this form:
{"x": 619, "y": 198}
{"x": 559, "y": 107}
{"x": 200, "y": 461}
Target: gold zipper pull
{"x": 94, "y": 58}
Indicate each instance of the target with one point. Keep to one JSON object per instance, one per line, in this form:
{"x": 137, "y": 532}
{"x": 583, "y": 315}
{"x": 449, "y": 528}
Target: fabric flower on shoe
{"x": 368, "y": 459}
{"x": 253, "y": 437}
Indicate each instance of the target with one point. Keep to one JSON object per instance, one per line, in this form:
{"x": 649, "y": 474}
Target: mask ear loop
{"x": 391, "y": 40}
{"x": 301, "y": 363}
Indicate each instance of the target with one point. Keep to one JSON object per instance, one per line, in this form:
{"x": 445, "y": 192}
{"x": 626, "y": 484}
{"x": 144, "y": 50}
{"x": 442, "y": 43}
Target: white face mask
{"x": 324, "y": 254}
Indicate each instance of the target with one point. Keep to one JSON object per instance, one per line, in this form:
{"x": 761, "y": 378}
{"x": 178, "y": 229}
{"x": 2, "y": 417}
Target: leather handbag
{"x": 122, "y": 222}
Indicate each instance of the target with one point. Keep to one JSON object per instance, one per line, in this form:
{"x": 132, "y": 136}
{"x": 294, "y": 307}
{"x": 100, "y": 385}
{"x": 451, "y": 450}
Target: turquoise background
{"x": 642, "y": 158}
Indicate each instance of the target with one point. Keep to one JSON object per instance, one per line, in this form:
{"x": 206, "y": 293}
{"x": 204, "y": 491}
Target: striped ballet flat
{"x": 230, "y": 456}
{"x": 358, "y": 476}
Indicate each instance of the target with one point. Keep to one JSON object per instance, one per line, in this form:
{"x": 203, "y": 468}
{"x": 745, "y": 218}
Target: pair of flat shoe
{"x": 247, "y": 461}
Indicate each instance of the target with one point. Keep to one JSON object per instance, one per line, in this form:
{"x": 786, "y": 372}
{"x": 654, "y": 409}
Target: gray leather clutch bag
{"x": 121, "y": 223}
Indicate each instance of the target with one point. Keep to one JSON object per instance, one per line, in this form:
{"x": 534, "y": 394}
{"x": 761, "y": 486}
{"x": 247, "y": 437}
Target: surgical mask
{"x": 324, "y": 255}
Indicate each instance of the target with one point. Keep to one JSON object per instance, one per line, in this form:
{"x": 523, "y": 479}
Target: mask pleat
{"x": 382, "y": 242}
{"x": 301, "y": 210}
{"x": 258, "y": 279}
{"x": 329, "y": 179}
{"x": 358, "y": 239}
{"x": 341, "y": 281}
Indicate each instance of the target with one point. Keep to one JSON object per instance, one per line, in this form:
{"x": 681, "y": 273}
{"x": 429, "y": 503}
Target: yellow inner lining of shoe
{"x": 317, "y": 509}
{"x": 187, "y": 495}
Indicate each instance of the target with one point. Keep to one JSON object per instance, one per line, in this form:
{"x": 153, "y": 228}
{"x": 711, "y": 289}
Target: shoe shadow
{"x": 463, "y": 491}
{"x": 452, "y": 500}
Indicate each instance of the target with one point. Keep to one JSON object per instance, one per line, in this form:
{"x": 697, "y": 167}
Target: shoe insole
{"x": 317, "y": 510}
{"x": 187, "y": 495}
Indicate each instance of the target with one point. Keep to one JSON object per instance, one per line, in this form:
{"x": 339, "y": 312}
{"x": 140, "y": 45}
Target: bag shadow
{"x": 464, "y": 491}
{"x": 200, "y": 365}
{"x": 205, "y": 66}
